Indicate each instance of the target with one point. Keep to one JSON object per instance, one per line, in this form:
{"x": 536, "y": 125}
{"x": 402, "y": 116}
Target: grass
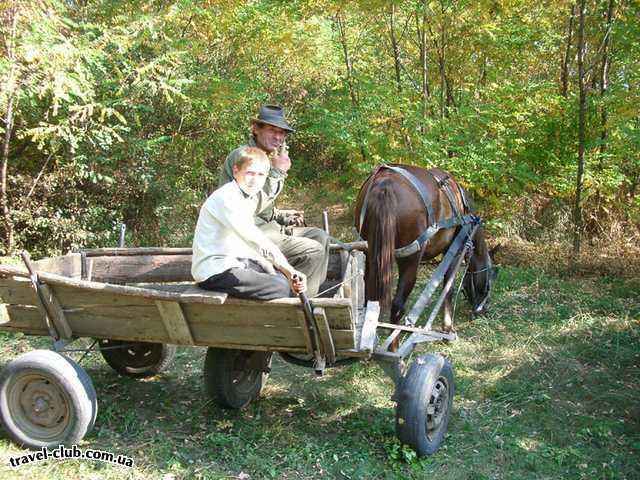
{"x": 547, "y": 387}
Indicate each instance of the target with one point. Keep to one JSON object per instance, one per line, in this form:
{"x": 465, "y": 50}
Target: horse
{"x": 414, "y": 214}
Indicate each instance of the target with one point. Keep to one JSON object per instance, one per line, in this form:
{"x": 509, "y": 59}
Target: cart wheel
{"x": 46, "y": 399}
{"x": 425, "y": 402}
{"x": 228, "y": 379}
{"x": 137, "y": 359}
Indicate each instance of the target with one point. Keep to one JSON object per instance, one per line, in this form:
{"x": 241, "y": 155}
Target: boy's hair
{"x": 250, "y": 154}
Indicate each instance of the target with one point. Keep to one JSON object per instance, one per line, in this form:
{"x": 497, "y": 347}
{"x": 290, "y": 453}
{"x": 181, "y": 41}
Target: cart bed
{"x": 146, "y": 295}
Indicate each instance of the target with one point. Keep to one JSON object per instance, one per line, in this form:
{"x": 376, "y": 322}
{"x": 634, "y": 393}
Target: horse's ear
{"x": 493, "y": 251}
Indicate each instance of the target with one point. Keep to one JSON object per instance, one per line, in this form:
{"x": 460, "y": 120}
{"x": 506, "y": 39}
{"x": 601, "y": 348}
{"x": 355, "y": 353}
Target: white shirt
{"x": 226, "y": 232}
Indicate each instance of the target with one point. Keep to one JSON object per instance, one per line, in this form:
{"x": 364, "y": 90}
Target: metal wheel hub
{"x": 41, "y": 406}
{"x": 438, "y": 406}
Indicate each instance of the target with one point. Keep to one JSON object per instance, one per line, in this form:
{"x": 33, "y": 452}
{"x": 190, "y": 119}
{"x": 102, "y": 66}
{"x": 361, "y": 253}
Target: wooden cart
{"x": 139, "y": 303}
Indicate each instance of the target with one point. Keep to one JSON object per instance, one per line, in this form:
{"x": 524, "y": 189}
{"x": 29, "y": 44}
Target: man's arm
{"x": 267, "y": 197}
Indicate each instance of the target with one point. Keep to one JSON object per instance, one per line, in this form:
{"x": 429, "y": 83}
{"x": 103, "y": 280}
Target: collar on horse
{"x": 458, "y": 218}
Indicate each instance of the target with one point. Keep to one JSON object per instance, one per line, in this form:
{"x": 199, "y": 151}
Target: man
{"x": 231, "y": 254}
{"x": 306, "y": 248}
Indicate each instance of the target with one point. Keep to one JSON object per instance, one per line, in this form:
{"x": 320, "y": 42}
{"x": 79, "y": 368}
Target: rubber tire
{"x": 141, "y": 360}
{"x": 427, "y": 380}
{"x": 60, "y": 374}
{"x": 226, "y": 380}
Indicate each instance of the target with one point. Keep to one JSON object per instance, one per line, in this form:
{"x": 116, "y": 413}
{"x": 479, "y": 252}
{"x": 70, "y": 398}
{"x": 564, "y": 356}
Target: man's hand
{"x": 280, "y": 158}
{"x": 298, "y": 218}
{"x": 298, "y": 282}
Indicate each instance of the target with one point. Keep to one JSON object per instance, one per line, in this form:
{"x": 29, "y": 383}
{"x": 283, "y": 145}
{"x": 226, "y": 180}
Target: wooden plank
{"x": 55, "y": 312}
{"x": 368, "y": 337}
{"x": 302, "y": 322}
{"x": 153, "y": 294}
{"x": 75, "y": 297}
{"x": 263, "y": 335}
{"x": 324, "y": 333}
{"x": 175, "y": 322}
{"x": 103, "y": 252}
{"x": 133, "y": 322}
{"x": 343, "y": 339}
{"x": 357, "y": 287}
{"x": 317, "y": 302}
{"x": 405, "y": 328}
{"x": 26, "y": 319}
{"x": 140, "y": 323}
{"x": 339, "y": 317}
{"x": 347, "y": 286}
{"x": 141, "y": 268}
{"x": 67, "y": 265}
{"x": 86, "y": 287}
{"x": 229, "y": 315}
{"x": 17, "y": 291}
{"x": 195, "y": 293}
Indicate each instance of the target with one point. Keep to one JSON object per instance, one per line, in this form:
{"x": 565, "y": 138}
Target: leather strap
{"x": 430, "y": 232}
{"x": 443, "y": 182}
{"x": 420, "y": 188}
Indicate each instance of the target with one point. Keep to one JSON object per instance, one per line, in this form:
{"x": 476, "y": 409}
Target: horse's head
{"x": 480, "y": 275}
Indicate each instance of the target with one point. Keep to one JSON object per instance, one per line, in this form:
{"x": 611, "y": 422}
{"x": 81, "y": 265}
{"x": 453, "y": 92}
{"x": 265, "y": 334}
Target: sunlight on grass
{"x": 547, "y": 387}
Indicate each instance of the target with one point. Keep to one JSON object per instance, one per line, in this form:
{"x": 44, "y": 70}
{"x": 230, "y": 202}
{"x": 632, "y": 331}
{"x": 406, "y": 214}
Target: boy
{"x": 231, "y": 254}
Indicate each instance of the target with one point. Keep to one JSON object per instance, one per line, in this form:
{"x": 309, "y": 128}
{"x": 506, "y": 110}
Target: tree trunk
{"x": 577, "y": 211}
{"x": 347, "y": 59}
{"x": 604, "y": 86}
{"x": 441, "y": 64}
{"x": 567, "y": 54}
{"x": 394, "y": 46}
{"x": 350, "y": 82}
{"x": 421, "y": 29}
{"x": 604, "y": 79}
{"x": 12, "y": 22}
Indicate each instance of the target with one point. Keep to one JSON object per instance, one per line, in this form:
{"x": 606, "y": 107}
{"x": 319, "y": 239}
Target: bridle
{"x": 488, "y": 271}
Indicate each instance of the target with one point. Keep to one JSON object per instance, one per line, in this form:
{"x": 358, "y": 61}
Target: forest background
{"x": 122, "y": 111}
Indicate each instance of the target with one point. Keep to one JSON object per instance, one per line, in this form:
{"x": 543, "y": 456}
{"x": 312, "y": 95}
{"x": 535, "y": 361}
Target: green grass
{"x": 547, "y": 387}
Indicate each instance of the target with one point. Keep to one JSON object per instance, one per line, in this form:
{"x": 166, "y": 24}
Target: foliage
{"x": 136, "y": 104}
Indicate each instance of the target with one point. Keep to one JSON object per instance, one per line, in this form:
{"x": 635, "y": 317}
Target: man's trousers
{"x": 307, "y": 250}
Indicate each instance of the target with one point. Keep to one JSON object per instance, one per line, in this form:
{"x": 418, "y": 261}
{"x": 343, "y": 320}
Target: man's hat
{"x": 273, "y": 115}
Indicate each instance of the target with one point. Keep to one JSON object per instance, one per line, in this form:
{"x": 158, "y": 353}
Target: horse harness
{"x": 458, "y": 219}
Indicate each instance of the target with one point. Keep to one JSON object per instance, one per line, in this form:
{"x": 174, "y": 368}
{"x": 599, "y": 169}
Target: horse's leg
{"x": 407, "y": 274}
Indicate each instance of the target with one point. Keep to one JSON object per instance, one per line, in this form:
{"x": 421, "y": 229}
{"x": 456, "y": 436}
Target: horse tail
{"x": 381, "y": 237}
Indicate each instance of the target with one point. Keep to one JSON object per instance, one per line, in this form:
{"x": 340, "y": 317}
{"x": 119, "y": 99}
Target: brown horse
{"x": 395, "y": 207}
